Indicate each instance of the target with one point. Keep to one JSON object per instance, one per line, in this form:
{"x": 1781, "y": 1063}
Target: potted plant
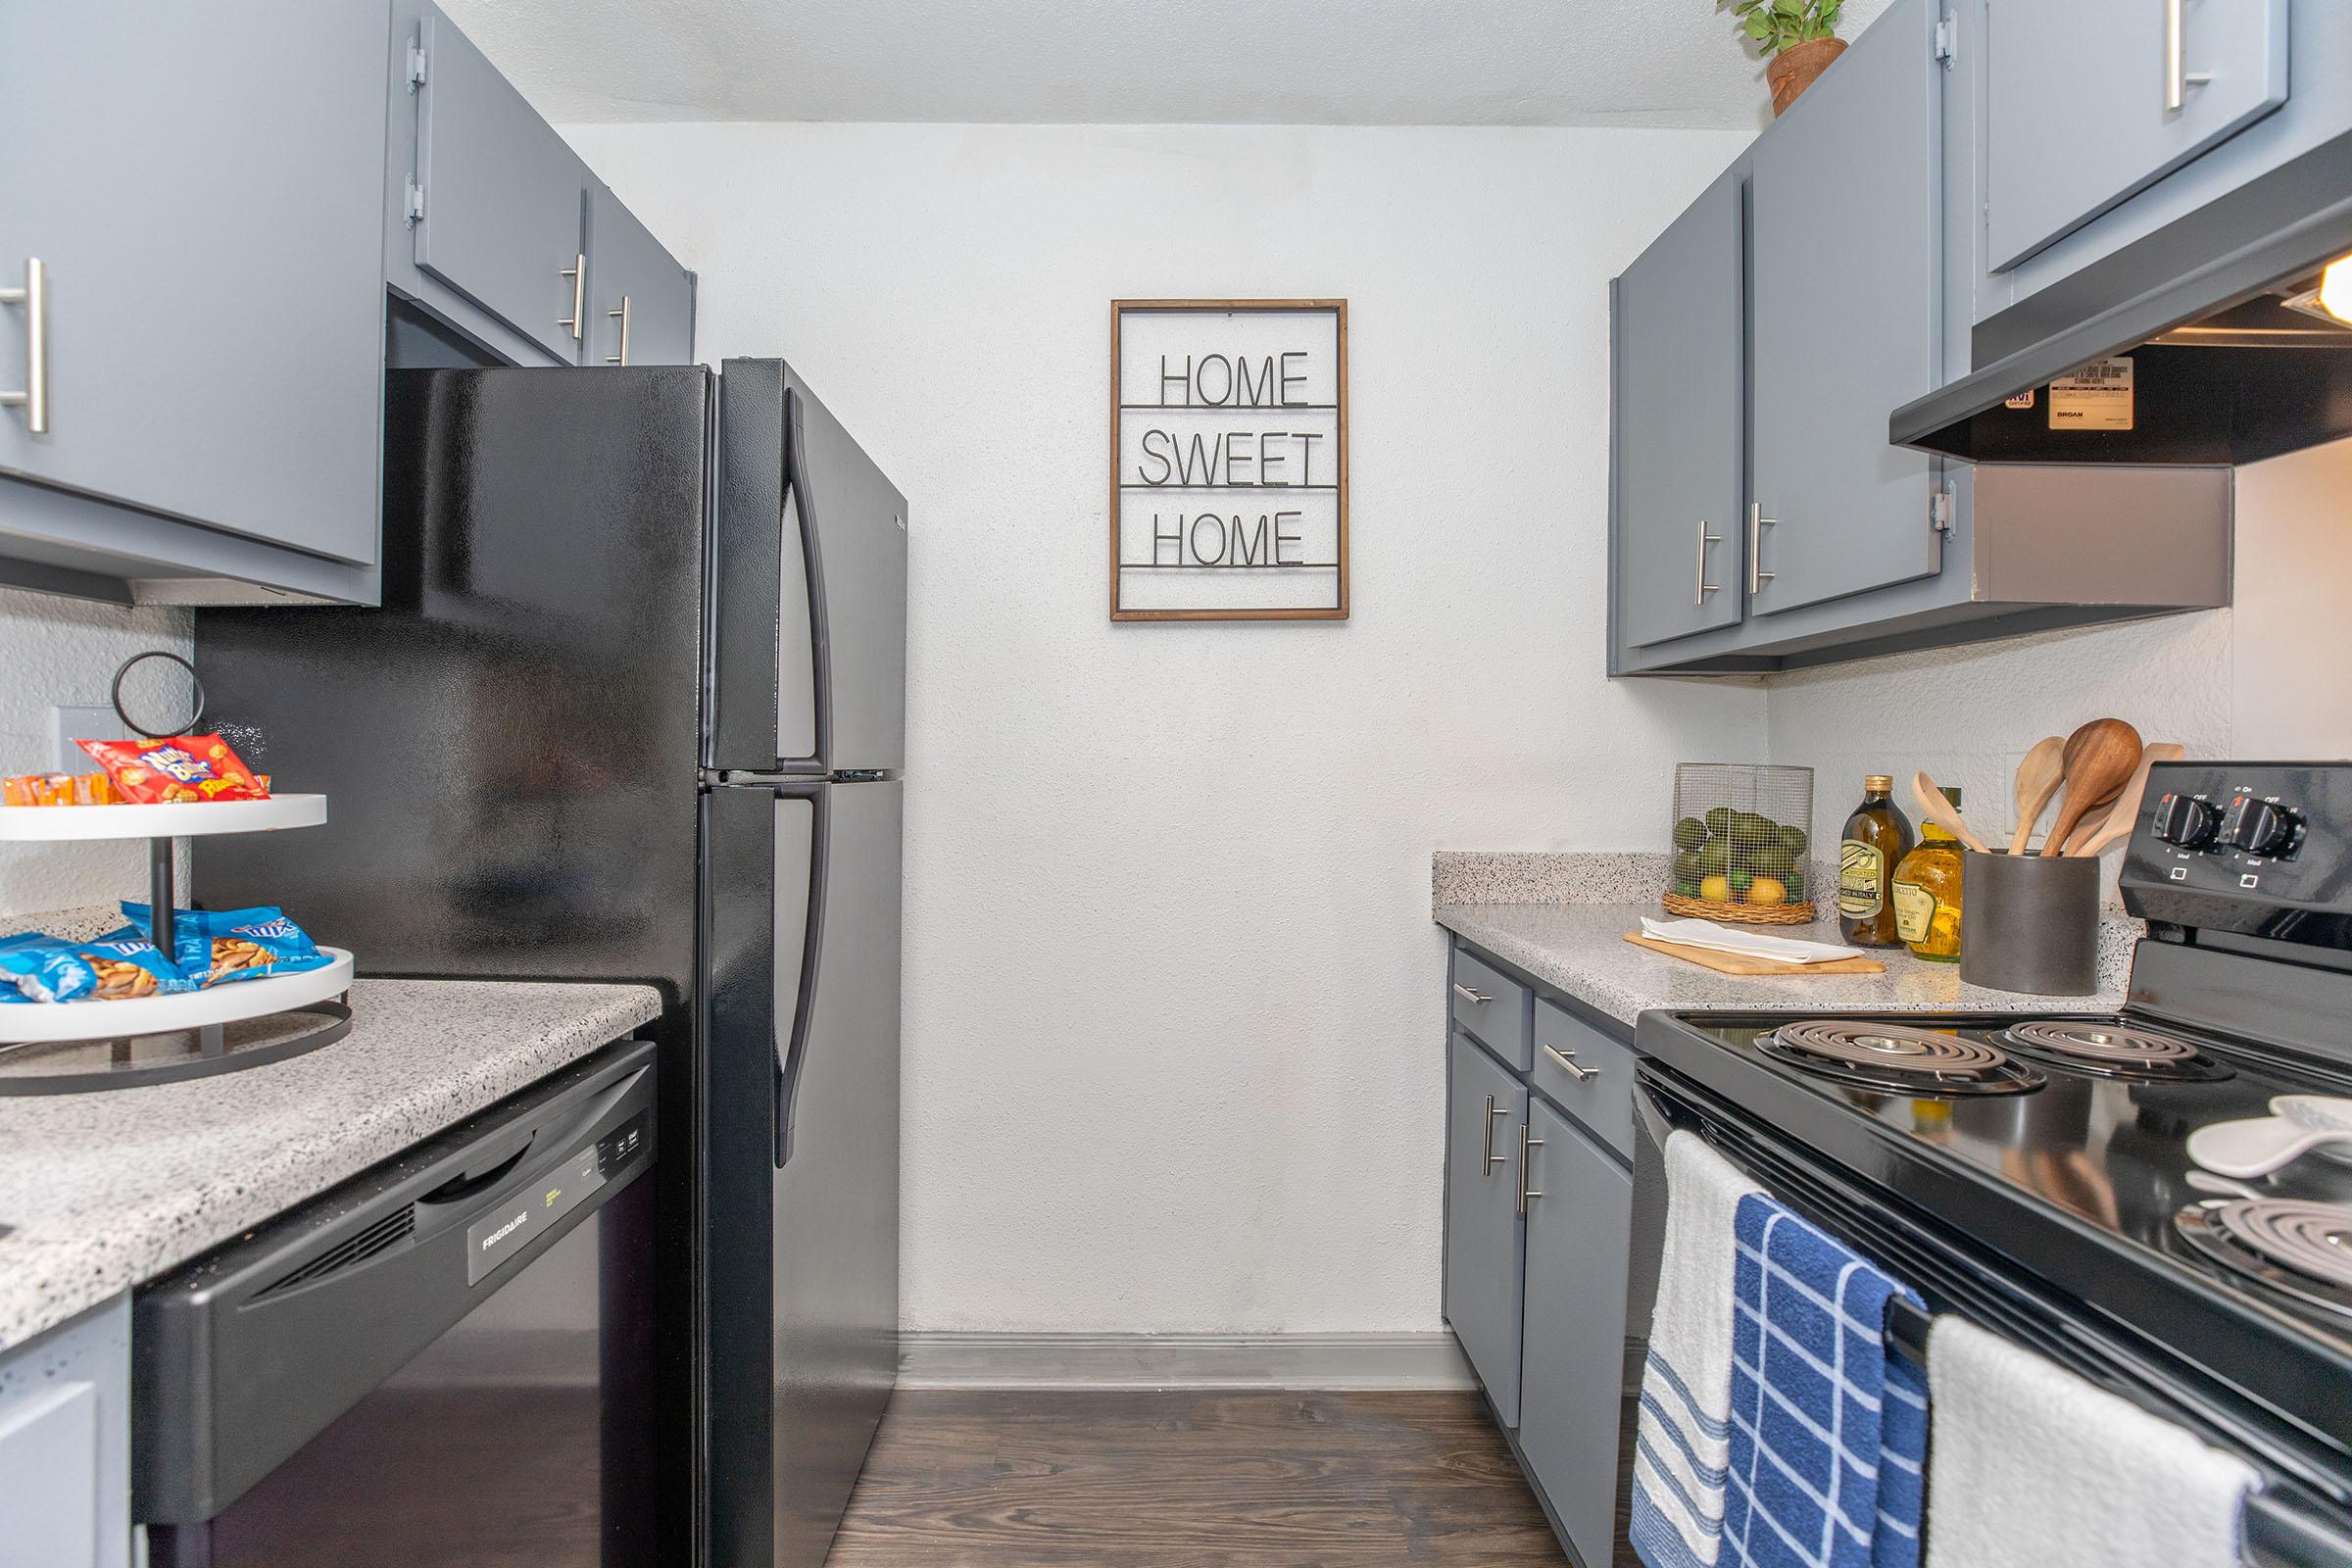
{"x": 1798, "y": 39}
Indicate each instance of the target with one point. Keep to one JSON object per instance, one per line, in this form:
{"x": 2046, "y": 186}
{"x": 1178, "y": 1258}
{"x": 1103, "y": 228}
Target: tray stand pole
{"x": 160, "y": 895}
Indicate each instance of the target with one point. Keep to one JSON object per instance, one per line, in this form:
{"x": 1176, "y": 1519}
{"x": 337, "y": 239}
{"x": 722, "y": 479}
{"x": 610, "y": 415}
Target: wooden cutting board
{"x": 1741, "y": 963}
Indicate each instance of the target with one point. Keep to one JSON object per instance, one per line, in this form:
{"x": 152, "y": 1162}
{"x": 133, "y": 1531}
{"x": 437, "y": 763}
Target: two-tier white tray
{"x": 64, "y": 1047}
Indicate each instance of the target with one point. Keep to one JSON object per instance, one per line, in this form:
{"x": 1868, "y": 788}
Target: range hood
{"x": 2231, "y": 359}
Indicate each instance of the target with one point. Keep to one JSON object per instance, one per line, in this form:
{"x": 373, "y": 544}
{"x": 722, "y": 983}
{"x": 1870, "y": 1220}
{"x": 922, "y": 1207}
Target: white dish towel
{"x": 1682, "y": 1443}
{"x": 2030, "y": 1466}
{"x": 1748, "y": 944}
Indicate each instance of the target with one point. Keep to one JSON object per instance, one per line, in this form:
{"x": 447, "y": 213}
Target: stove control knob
{"x": 2186, "y": 821}
{"x": 2259, "y": 828}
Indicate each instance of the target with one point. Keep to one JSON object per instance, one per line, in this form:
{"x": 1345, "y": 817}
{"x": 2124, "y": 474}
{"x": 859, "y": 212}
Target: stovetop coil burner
{"x": 2303, "y": 1249}
{"x": 2115, "y": 1050}
{"x": 1898, "y": 1058}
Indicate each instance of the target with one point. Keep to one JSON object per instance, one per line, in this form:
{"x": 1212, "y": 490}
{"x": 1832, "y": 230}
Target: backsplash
{"x": 57, "y": 650}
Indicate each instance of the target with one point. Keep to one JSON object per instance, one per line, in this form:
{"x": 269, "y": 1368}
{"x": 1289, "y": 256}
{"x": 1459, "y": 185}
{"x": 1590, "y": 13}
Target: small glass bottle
{"x": 1876, "y": 837}
{"x": 1926, "y": 893}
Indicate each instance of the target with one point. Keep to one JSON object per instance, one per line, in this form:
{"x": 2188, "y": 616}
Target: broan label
{"x": 2097, "y": 397}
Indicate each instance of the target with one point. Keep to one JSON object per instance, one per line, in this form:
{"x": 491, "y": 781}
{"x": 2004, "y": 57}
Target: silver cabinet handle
{"x": 34, "y": 297}
{"x": 1493, "y": 1159}
{"x": 1527, "y": 1193}
{"x": 1757, "y": 522}
{"x": 2177, "y": 77}
{"x": 577, "y": 272}
{"x": 622, "y": 316}
{"x": 1567, "y": 1063}
{"x": 1702, "y": 587}
{"x": 1475, "y": 998}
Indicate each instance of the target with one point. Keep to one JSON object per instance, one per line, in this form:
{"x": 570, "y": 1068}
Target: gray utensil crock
{"x": 2029, "y": 922}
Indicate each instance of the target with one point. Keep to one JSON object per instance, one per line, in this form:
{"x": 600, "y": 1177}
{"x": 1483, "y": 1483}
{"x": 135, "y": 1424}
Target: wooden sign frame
{"x": 1337, "y": 411}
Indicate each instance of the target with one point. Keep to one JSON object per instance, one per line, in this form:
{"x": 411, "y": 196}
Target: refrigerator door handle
{"x": 821, "y": 652}
{"x": 792, "y": 1051}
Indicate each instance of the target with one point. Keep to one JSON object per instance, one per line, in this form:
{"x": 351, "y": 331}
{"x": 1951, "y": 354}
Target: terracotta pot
{"x": 1793, "y": 69}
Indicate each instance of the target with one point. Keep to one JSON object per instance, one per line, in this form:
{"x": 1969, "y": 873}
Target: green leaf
{"x": 1757, "y": 28}
{"x": 1791, "y": 10}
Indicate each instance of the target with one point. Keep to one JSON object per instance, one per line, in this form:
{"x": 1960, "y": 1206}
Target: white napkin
{"x": 2032, "y": 1467}
{"x": 1747, "y": 944}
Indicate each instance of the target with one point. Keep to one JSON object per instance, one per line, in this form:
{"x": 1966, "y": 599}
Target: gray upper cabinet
{"x": 1572, "y": 1369}
{"x": 1486, "y": 1118}
{"x": 1845, "y": 218}
{"x": 206, "y": 200}
{"x": 2091, "y": 101}
{"x": 640, "y": 301}
{"x": 1678, "y": 364}
{"x": 501, "y": 195}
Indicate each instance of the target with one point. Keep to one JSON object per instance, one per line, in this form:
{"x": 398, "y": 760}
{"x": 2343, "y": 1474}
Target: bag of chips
{"x": 176, "y": 769}
{"x": 41, "y": 968}
{"x": 213, "y": 947}
{"x": 129, "y": 965}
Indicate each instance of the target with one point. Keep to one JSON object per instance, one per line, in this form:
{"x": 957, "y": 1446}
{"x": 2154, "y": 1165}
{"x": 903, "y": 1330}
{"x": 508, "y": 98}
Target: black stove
{"x": 2054, "y": 1145}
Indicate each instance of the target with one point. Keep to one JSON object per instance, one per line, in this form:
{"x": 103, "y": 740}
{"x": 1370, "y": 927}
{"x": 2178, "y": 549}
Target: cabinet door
{"x": 2081, "y": 103}
{"x": 1844, "y": 224}
{"x": 65, "y": 1445}
{"x": 1679, "y": 380}
{"x": 1572, "y": 1375}
{"x": 640, "y": 300}
{"x": 1485, "y": 1117}
{"x": 205, "y": 195}
{"x": 502, "y": 195}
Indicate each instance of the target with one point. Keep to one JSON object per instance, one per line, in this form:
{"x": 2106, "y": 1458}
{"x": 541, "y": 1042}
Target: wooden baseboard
{"x": 1316, "y": 1361}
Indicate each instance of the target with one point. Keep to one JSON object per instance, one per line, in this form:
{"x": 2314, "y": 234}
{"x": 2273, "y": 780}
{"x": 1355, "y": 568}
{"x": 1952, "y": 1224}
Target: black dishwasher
{"x": 445, "y": 1362}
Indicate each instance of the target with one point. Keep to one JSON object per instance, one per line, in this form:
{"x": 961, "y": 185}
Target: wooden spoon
{"x": 2123, "y": 815}
{"x": 2099, "y": 759}
{"x": 1935, "y": 809}
{"x": 2038, "y": 779}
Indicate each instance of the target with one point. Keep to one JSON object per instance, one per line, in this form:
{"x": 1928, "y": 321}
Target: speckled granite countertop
{"x": 102, "y": 1191}
{"x": 1564, "y": 919}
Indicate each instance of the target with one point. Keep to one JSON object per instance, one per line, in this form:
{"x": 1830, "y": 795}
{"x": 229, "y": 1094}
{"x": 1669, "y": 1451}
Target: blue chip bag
{"x": 214, "y": 947}
{"x": 129, "y": 965}
{"x": 42, "y": 968}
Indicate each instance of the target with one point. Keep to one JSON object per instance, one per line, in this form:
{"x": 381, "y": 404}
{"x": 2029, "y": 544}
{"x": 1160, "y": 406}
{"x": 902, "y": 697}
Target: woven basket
{"x": 1740, "y": 913}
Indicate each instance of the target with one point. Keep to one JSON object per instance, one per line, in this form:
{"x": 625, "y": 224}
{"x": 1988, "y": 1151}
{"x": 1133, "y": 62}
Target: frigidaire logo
{"x": 507, "y": 1229}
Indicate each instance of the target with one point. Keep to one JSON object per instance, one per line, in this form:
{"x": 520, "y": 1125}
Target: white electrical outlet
{"x": 70, "y": 724}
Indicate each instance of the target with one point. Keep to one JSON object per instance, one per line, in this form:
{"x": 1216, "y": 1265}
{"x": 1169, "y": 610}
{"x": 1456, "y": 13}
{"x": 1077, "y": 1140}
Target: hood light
{"x": 2335, "y": 289}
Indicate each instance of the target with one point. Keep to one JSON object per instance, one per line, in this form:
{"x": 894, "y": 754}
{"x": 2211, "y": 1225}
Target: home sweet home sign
{"x": 1229, "y": 459}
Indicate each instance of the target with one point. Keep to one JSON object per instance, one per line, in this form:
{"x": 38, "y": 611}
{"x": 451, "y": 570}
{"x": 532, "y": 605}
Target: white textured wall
{"x": 2270, "y": 677}
{"x": 64, "y": 651}
{"x": 1173, "y": 1004}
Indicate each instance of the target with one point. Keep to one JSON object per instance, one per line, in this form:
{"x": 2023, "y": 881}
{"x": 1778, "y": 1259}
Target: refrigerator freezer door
{"x": 801, "y": 1054}
{"x": 808, "y": 645}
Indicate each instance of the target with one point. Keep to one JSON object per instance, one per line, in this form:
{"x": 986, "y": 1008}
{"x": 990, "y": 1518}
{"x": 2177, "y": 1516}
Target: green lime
{"x": 1794, "y": 840}
{"x": 1690, "y": 833}
{"x": 1741, "y": 881}
{"x": 1719, "y": 819}
{"x": 1715, "y": 857}
{"x": 1686, "y": 868}
{"x": 1774, "y": 861}
{"x": 1688, "y": 889}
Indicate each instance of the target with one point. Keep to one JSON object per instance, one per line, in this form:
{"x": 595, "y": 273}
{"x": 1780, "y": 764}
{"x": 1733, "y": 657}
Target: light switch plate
{"x": 70, "y": 724}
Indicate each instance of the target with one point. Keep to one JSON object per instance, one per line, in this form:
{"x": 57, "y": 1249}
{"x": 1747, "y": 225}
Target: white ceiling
{"x": 1139, "y": 62}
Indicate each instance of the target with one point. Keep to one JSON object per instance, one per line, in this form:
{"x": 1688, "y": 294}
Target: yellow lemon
{"x": 1716, "y": 889}
{"x": 1766, "y": 890}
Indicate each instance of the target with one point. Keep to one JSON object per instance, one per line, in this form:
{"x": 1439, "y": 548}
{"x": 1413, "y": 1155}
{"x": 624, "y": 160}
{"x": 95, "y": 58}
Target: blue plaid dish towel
{"x": 1829, "y": 1431}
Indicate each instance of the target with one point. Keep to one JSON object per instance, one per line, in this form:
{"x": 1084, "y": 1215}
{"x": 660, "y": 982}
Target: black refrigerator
{"x": 633, "y": 709}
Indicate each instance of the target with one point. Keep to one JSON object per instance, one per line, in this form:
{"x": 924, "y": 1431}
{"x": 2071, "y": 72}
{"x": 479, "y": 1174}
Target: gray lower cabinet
{"x": 1843, "y": 227}
{"x": 1486, "y": 1118}
{"x": 495, "y": 201}
{"x": 206, "y": 203}
{"x": 65, "y": 1445}
{"x": 1572, "y": 1361}
{"x": 2091, "y": 101}
{"x": 640, "y": 302}
{"x": 1678, "y": 368}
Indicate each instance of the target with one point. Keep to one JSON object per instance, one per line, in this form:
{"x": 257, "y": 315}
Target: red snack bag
{"x": 176, "y": 769}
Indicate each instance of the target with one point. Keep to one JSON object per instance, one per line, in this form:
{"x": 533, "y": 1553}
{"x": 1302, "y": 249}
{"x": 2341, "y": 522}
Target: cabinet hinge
{"x": 415, "y": 64}
{"x": 413, "y": 202}
{"x": 1940, "y": 510}
{"x": 1948, "y": 38}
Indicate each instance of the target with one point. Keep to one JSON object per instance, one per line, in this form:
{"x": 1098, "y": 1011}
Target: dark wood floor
{"x": 1174, "y": 1479}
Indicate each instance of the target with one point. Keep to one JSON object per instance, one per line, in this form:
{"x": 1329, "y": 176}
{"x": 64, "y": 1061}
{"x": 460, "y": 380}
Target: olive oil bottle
{"x": 1876, "y": 837}
{"x": 1927, "y": 893}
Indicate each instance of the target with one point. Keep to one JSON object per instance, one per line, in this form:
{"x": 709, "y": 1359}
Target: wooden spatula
{"x": 2099, "y": 759}
{"x": 2123, "y": 814}
{"x": 2038, "y": 779}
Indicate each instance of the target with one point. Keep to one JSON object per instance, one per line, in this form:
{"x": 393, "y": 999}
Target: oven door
{"x": 2301, "y": 1519}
